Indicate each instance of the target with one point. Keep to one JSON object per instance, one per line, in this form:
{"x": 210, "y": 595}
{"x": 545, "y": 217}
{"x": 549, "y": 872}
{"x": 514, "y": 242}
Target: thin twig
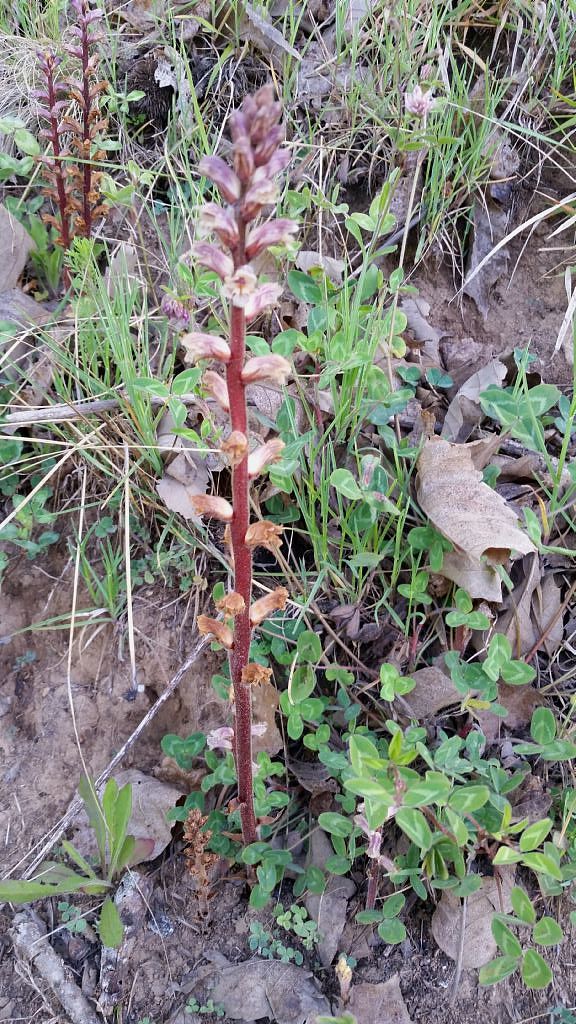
{"x": 66, "y": 411}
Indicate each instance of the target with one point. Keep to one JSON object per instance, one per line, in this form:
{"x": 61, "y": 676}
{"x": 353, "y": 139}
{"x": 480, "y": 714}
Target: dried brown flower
{"x": 264, "y": 534}
{"x": 264, "y": 606}
{"x": 235, "y": 447}
{"x": 219, "y": 630}
{"x": 231, "y": 604}
{"x": 254, "y": 674}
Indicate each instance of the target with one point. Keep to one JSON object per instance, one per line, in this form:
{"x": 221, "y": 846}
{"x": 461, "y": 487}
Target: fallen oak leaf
{"x": 476, "y": 519}
{"x": 382, "y": 1003}
{"x": 479, "y": 945}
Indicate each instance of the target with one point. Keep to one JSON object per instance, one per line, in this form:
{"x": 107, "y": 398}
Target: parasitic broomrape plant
{"x": 247, "y": 188}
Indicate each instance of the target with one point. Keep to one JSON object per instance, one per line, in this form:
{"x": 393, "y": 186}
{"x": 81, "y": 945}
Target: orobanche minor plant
{"x": 247, "y": 189}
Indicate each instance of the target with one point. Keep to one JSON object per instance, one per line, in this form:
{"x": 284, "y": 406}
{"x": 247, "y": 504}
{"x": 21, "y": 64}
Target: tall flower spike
{"x": 249, "y": 186}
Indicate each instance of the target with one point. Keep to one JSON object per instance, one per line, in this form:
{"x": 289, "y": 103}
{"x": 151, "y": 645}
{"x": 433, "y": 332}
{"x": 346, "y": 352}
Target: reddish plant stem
{"x": 87, "y": 169}
{"x": 242, "y": 557}
{"x": 58, "y": 172}
{"x": 372, "y": 885}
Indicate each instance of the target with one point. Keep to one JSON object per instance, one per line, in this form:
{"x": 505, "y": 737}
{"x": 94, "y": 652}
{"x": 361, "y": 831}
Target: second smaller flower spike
{"x": 213, "y": 506}
{"x": 264, "y": 606}
{"x": 227, "y": 183}
{"x": 231, "y": 604}
{"x": 219, "y": 630}
{"x": 274, "y": 368}
{"x": 205, "y": 346}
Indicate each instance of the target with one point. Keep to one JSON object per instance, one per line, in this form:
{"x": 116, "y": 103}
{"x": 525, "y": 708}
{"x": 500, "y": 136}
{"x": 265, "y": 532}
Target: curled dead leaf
{"x": 478, "y": 521}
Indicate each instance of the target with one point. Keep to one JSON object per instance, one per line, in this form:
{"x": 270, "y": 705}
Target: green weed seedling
{"x": 546, "y": 931}
{"x": 270, "y": 948}
{"x": 209, "y": 1007}
{"x": 71, "y": 916}
{"x": 108, "y": 817}
{"x": 295, "y": 919}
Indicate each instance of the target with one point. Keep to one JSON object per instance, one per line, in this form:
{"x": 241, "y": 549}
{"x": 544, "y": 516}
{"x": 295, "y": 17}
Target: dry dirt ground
{"x": 40, "y": 762}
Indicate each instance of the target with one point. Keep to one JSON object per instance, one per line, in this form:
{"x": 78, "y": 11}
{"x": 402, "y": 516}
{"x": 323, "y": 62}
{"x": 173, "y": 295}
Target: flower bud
{"x": 264, "y": 606}
{"x": 243, "y": 160}
{"x": 235, "y": 447}
{"x": 254, "y": 674}
{"x": 222, "y": 175}
{"x": 240, "y": 286}
{"x": 238, "y": 125}
{"x": 214, "y": 218}
{"x": 264, "y": 534}
{"x": 272, "y": 367}
{"x": 264, "y": 455}
{"x": 216, "y": 385}
{"x": 199, "y": 345}
{"x": 266, "y": 117}
{"x": 231, "y": 604}
{"x": 219, "y": 630}
{"x": 269, "y": 145}
{"x": 213, "y": 258}
{"x": 213, "y": 506}
{"x": 265, "y": 296}
{"x": 273, "y": 232}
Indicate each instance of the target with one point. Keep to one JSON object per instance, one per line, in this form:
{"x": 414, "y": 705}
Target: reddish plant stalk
{"x": 256, "y": 137}
{"x": 86, "y": 134}
{"x": 48, "y": 63}
{"x": 242, "y": 559}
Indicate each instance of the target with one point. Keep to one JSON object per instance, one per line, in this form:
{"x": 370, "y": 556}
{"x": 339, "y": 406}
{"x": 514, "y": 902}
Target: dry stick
{"x": 65, "y": 411}
{"x": 31, "y": 943}
{"x": 58, "y": 830}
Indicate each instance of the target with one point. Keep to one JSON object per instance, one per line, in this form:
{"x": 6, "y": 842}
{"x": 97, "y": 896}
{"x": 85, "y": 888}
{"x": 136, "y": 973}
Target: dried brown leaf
{"x": 464, "y": 509}
{"x": 186, "y": 473}
{"x": 15, "y": 244}
{"x": 267, "y": 988}
{"x": 434, "y": 691}
{"x": 151, "y": 801}
{"x": 479, "y": 945}
{"x": 329, "y": 910}
{"x": 382, "y": 1003}
{"x": 464, "y": 412}
{"x": 520, "y": 703}
{"x": 259, "y": 30}
{"x": 264, "y": 708}
{"x": 308, "y": 260}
